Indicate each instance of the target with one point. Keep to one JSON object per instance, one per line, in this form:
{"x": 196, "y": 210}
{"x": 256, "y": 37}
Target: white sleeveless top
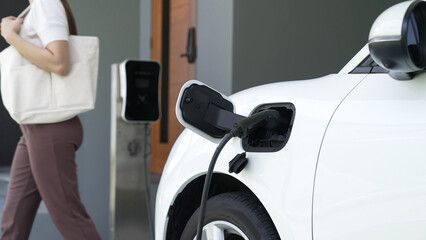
{"x": 46, "y": 20}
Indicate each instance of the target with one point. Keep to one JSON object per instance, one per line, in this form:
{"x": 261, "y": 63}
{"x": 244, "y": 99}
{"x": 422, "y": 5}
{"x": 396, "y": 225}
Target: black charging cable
{"x": 234, "y": 132}
{"x": 241, "y": 129}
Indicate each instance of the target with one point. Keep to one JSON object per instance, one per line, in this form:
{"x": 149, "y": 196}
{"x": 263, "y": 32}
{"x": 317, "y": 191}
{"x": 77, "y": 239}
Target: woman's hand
{"x": 10, "y": 28}
{"x": 53, "y": 58}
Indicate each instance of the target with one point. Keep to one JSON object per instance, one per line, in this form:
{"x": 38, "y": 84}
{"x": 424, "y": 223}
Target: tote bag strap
{"x": 25, "y": 12}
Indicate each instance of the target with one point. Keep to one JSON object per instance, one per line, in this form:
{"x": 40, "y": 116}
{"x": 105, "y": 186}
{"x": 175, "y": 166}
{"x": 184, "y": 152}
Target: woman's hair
{"x": 71, "y": 21}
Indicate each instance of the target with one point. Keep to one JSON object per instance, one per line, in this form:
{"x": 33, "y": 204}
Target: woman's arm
{"x": 54, "y": 58}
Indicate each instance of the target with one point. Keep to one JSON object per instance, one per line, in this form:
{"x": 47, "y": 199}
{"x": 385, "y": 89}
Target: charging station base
{"x": 128, "y": 211}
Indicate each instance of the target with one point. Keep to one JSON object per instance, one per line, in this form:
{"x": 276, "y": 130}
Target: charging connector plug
{"x": 268, "y": 119}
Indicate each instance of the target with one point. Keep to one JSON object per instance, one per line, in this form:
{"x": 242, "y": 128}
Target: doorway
{"x": 173, "y": 35}
{"x": 9, "y": 130}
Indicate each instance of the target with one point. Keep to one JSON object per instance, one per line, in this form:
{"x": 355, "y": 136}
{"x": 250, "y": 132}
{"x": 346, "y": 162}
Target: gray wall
{"x": 277, "y": 40}
{"x": 145, "y": 29}
{"x": 214, "y": 40}
{"x": 117, "y": 25}
{"x": 118, "y": 28}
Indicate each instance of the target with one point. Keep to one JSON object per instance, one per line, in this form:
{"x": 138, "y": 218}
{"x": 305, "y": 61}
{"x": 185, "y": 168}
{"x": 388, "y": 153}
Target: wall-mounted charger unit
{"x": 139, "y": 88}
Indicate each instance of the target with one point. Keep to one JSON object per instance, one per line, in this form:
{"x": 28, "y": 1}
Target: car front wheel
{"x": 233, "y": 216}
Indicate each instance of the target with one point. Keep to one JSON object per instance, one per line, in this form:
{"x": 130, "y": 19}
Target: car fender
{"x": 283, "y": 181}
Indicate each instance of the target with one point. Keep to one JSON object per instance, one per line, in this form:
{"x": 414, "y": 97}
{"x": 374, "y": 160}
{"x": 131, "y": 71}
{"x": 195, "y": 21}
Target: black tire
{"x": 239, "y": 209}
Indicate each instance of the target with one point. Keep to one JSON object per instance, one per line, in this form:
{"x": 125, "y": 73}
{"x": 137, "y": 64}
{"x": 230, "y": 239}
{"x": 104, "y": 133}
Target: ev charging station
{"x": 134, "y": 105}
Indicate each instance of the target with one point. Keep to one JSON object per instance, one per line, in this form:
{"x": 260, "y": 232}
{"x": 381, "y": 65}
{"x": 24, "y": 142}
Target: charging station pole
{"x": 128, "y": 207}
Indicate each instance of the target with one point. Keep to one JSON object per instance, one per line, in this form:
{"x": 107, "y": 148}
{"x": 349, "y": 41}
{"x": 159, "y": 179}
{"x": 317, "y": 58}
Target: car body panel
{"x": 283, "y": 181}
{"x": 370, "y": 181}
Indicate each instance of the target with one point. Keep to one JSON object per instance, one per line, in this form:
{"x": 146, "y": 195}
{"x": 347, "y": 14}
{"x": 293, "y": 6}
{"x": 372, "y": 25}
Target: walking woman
{"x": 44, "y": 165}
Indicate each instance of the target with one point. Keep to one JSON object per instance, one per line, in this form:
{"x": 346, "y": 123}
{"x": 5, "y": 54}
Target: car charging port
{"x": 271, "y": 138}
{"x": 268, "y": 118}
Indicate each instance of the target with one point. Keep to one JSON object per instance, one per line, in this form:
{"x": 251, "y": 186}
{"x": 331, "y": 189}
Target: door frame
{"x": 160, "y": 52}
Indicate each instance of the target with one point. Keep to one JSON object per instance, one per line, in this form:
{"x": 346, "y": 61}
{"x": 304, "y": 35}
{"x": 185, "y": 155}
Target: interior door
{"x": 9, "y": 130}
{"x": 370, "y": 182}
{"x": 172, "y": 20}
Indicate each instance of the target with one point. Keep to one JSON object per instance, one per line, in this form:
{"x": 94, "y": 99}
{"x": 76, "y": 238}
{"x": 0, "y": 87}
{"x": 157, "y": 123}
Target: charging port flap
{"x": 202, "y": 109}
{"x": 210, "y": 114}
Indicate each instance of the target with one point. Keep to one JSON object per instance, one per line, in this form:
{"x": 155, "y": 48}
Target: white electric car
{"x": 345, "y": 160}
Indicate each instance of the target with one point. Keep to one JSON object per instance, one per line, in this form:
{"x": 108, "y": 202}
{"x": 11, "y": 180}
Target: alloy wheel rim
{"x": 220, "y": 230}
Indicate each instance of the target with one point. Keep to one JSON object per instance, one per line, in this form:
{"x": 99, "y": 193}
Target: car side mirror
{"x": 205, "y": 111}
{"x": 397, "y": 39}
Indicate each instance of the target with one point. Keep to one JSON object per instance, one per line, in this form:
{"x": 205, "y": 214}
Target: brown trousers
{"x": 44, "y": 168}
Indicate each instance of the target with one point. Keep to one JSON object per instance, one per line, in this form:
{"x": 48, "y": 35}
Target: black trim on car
{"x": 368, "y": 66}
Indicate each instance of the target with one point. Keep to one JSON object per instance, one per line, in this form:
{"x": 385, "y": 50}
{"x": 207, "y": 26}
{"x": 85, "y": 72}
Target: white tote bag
{"x": 34, "y": 96}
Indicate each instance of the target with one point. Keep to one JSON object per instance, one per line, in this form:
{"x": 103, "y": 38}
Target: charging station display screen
{"x": 142, "y": 83}
{"x": 142, "y": 91}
